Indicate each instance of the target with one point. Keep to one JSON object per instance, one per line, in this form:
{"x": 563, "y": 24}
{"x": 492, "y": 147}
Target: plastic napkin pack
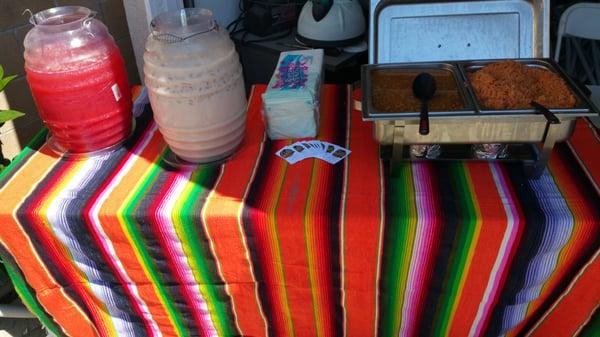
{"x": 291, "y": 102}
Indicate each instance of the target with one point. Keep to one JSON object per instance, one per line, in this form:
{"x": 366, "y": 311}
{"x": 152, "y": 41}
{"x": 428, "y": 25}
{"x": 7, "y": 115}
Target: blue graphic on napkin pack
{"x": 293, "y": 72}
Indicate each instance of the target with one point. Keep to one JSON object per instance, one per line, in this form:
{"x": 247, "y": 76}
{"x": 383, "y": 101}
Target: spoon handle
{"x": 550, "y": 117}
{"x": 424, "y": 122}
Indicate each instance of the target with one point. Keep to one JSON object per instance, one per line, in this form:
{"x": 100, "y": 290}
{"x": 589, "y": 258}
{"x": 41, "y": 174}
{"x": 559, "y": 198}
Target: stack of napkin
{"x": 291, "y": 102}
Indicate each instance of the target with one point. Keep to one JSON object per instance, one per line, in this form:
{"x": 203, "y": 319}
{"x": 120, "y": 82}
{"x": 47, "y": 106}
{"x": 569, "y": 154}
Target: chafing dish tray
{"x": 583, "y": 107}
{"x": 473, "y": 123}
{"x": 389, "y": 88}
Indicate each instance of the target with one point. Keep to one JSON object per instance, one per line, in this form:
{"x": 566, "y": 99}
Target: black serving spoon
{"x": 550, "y": 117}
{"x": 424, "y": 88}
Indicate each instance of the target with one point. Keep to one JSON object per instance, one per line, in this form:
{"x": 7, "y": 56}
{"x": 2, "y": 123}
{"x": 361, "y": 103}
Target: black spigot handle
{"x": 424, "y": 122}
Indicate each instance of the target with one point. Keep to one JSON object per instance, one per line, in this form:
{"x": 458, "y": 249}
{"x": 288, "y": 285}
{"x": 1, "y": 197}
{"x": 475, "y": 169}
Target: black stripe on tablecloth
{"x": 32, "y": 228}
{"x": 333, "y": 208}
{"x": 99, "y": 260}
{"x": 201, "y": 237}
{"x": 534, "y": 226}
{"x": 146, "y": 226}
{"x": 257, "y": 192}
{"x": 78, "y": 230}
{"x": 449, "y": 203}
{"x": 590, "y": 195}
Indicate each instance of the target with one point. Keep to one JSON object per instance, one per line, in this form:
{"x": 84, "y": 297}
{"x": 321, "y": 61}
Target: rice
{"x": 513, "y": 85}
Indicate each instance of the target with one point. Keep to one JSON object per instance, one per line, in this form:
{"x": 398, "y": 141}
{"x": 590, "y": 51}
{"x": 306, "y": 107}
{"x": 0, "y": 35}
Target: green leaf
{"x": 7, "y": 115}
{"x": 1, "y": 72}
{"x": 5, "y": 81}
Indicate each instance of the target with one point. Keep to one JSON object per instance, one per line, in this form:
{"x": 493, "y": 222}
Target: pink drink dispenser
{"x": 78, "y": 80}
{"x": 195, "y": 85}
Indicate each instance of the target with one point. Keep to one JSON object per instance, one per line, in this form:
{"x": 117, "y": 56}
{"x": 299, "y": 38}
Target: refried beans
{"x": 392, "y": 91}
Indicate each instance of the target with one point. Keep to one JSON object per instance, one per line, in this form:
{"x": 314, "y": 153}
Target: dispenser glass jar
{"x": 78, "y": 79}
{"x": 195, "y": 85}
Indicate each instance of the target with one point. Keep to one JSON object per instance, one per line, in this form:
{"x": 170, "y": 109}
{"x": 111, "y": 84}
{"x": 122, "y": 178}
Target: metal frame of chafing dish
{"x": 552, "y": 134}
{"x": 411, "y": 31}
{"x": 475, "y": 124}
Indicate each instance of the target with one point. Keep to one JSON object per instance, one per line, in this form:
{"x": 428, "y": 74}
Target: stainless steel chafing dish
{"x": 406, "y": 34}
{"x": 474, "y": 124}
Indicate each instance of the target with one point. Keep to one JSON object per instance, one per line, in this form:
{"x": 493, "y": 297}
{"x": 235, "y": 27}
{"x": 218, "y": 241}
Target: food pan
{"x": 583, "y": 106}
{"x": 374, "y": 79}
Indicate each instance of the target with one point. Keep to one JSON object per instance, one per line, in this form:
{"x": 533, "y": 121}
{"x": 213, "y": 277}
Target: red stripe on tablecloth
{"x": 574, "y": 306}
{"x": 92, "y": 204}
{"x": 177, "y": 270}
{"x": 114, "y": 230}
{"x": 585, "y": 144}
{"x": 59, "y": 305}
{"x": 290, "y": 218}
{"x": 322, "y": 214}
{"x": 53, "y": 250}
{"x": 222, "y": 219}
{"x": 582, "y": 201}
{"x": 493, "y": 222}
{"x": 361, "y": 231}
{"x": 516, "y": 237}
{"x": 260, "y": 226}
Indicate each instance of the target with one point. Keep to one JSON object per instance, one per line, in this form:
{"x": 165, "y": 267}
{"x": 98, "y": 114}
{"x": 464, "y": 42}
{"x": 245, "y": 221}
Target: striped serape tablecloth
{"x": 123, "y": 245}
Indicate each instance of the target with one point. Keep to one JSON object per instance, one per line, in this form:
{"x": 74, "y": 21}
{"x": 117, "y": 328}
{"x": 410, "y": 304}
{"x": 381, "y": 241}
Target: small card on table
{"x": 326, "y": 151}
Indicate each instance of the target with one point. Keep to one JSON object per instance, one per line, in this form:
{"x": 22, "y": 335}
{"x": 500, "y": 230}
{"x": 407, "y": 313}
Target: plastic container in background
{"x": 195, "y": 85}
{"x": 78, "y": 80}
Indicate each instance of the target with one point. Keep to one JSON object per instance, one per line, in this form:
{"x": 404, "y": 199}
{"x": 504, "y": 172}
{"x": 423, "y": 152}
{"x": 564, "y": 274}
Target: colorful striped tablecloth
{"x": 123, "y": 245}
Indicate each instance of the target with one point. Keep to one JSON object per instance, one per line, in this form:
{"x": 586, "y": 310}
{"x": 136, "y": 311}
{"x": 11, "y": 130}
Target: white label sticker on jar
{"x": 116, "y": 92}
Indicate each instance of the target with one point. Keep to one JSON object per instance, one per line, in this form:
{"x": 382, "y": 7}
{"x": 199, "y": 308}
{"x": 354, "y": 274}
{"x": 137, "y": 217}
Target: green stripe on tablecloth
{"x": 128, "y": 220}
{"x": 592, "y": 328}
{"x": 399, "y": 234}
{"x": 18, "y": 161}
{"x": 193, "y": 198}
{"x": 462, "y": 243}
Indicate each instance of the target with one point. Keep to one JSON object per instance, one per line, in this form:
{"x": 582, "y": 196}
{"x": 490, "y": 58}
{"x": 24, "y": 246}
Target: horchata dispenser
{"x": 78, "y": 80}
{"x": 195, "y": 85}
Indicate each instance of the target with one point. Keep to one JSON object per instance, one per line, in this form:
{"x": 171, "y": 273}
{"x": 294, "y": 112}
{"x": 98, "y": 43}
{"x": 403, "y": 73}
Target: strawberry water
{"x": 86, "y": 109}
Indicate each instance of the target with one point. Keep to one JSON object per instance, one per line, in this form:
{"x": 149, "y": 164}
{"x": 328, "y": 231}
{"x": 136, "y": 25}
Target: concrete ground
{"x": 12, "y": 327}
{"x": 21, "y": 327}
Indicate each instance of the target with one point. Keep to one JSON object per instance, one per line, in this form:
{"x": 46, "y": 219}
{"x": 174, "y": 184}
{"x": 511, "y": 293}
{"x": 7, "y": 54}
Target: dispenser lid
{"x": 179, "y": 25}
{"x": 185, "y": 38}
{"x": 66, "y": 38}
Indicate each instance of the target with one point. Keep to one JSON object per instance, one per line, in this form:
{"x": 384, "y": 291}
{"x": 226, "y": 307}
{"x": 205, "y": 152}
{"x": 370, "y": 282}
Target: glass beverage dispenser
{"x": 78, "y": 80}
{"x": 195, "y": 85}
